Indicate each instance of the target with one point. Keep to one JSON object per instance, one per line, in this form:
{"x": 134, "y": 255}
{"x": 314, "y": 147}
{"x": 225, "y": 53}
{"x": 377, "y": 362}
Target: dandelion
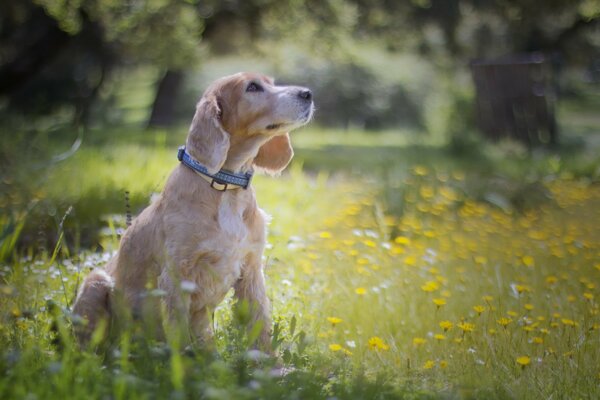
{"x": 402, "y": 240}
{"x": 466, "y": 326}
{"x": 446, "y": 325}
{"x": 360, "y": 291}
{"x": 504, "y": 322}
{"x": 439, "y": 337}
{"x": 439, "y": 302}
{"x": 430, "y": 286}
{"x": 528, "y": 261}
{"x": 334, "y": 320}
{"x": 376, "y": 343}
{"x": 428, "y": 364}
{"x": 335, "y": 347}
{"x": 479, "y": 309}
{"x": 419, "y": 341}
{"x": 523, "y": 361}
{"x": 568, "y": 322}
{"x": 588, "y": 296}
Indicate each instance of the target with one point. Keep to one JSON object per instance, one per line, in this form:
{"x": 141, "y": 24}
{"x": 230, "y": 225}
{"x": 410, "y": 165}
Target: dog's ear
{"x": 274, "y": 155}
{"x": 207, "y": 141}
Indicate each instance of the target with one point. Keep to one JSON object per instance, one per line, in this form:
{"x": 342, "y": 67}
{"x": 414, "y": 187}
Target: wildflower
{"x": 512, "y": 313}
{"x": 334, "y": 320}
{"x": 504, "y": 321}
{"x": 479, "y": 309}
{"x": 466, "y": 327}
{"x": 537, "y": 340}
{"x": 439, "y": 302}
{"x": 443, "y": 364}
{"x": 487, "y": 299}
{"x": 439, "y": 337}
{"x": 446, "y": 325}
{"x": 523, "y": 361}
{"x": 420, "y": 170}
{"x": 360, "y": 291}
{"x": 428, "y": 364}
{"x": 376, "y": 343}
{"x": 588, "y": 296}
{"x": 568, "y": 322}
{"x": 410, "y": 260}
{"x": 335, "y": 347}
{"x": 529, "y": 307}
{"x": 419, "y": 341}
{"x": 551, "y": 280}
{"x": 402, "y": 240}
{"x": 528, "y": 261}
{"x": 430, "y": 286}
{"x": 325, "y": 235}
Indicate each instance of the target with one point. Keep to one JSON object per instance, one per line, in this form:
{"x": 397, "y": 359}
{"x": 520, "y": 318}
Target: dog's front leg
{"x": 250, "y": 289}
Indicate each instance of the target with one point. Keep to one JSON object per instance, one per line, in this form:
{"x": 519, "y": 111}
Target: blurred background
{"x": 452, "y": 81}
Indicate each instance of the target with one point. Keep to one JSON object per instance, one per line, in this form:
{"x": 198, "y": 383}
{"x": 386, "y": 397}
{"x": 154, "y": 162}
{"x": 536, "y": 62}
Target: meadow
{"x": 397, "y": 268}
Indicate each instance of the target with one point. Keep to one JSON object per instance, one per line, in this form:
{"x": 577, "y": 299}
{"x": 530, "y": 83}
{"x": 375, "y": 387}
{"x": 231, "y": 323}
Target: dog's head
{"x": 246, "y": 116}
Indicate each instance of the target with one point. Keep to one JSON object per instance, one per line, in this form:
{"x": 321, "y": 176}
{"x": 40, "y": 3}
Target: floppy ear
{"x": 274, "y": 155}
{"x": 207, "y": 141}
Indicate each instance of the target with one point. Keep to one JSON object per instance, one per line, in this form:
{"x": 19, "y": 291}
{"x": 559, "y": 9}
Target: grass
{"x": 410, "y": 272}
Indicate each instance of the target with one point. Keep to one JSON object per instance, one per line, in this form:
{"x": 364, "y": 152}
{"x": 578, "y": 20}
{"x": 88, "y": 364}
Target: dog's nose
{"x": 305, "y": 94}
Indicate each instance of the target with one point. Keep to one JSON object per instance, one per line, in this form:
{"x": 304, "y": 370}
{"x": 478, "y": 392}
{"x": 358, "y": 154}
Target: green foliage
{"x": 165, "y": 32}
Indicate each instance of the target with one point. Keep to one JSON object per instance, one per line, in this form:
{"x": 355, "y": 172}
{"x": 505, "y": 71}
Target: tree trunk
{"x": 164, "y": 103}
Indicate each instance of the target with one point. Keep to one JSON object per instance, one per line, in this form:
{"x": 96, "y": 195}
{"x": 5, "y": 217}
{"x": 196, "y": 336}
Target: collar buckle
{"x": 221, "y": 188}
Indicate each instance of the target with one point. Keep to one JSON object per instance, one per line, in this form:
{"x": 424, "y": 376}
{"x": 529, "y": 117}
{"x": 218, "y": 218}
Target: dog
{"x": 205, "y": 233}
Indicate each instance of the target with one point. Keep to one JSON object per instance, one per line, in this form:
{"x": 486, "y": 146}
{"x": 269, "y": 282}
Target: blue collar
{"x": 222, "y": 180}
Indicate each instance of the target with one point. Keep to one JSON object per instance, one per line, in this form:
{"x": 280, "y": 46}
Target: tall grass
{"x": 400, "y": 272}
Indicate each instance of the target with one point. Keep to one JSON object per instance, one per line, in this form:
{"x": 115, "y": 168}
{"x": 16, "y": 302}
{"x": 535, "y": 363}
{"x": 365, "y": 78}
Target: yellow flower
{"x": 538, "y": 340}
{"x": 420, "y": 170}
{"x": 443, "y": 364}
{"x": 360, "y": 291}
{"x": 335, "y": 347}
{"x": 439, "y": 337}
{"x": 569, "y": 322}
{"x": 428, "y": 364}
{"x": 402, "y": 240}
{"x": 325, "y": 235}
{"x": 446, "y": 325}
{"x": 466, "y": 326}
{"x": 430, "y": 286}
{"x": 487, "y": 299}
{"x": 334, "y": 320}
{"x": 376, "y": 343}
{"x": 504, "y": 322}
{"x": 523, "y": 361}
{"x": 479, "y": 309}
{"x": 529, "y": 307}
{"x": 528, "y": 261}
{"x": 588, "y": 296}
{"x": 439, "y": 302}
{"x": 419, "y": 341}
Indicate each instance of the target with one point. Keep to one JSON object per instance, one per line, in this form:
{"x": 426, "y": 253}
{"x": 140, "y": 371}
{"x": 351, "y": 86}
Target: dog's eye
{"x": 254, "y": 87}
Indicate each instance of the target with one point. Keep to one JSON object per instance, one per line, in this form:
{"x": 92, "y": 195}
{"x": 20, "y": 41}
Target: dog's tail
{"x": 93, "y": 304}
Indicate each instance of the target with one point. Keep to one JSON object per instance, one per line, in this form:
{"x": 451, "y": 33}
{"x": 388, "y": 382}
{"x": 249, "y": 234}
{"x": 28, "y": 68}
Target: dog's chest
{"x": 224, "y": 254}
